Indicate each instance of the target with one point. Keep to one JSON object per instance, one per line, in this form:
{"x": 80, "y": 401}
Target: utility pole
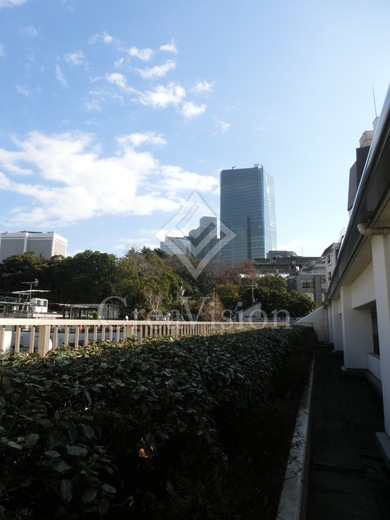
{"x": 253, "y": 292}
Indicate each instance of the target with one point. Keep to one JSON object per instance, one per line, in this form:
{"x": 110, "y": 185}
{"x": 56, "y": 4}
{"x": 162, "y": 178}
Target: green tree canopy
{"x": 16, "y": 270}
{"x": 145, "y": 277}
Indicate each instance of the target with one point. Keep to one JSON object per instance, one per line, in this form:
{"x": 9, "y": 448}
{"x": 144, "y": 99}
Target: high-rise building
{"x": 248, "y": 210}
{"x": 205, "y": 237}
{"x": 176, "y": 246}
{"x": 200, "y": 241}
{"x": 45, "y": 244}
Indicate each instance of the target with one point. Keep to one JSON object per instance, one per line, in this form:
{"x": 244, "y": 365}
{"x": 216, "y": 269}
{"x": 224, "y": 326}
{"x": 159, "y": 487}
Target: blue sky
{"x": 113, "y": 113}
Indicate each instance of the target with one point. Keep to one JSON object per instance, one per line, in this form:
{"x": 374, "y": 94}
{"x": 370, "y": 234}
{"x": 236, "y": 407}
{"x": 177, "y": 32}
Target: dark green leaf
{"x": 53, "y": 439}
{"x": 108, "y": 489}
{"x": 61, "y": 466}
{"x": 103, "y": 507}
{"x": 89, "y": 495}
{"x": 88, "y": 431}
{"x": 76, "y": 450}
{"x": 14, "y": 445}
{"x": 31, "y": 440}
{"x": 53, "y": 454}
{"x": 66, "y": 490}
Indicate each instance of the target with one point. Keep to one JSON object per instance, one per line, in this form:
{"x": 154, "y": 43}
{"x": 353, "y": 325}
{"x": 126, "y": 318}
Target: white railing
{"x": 41, "y": 335}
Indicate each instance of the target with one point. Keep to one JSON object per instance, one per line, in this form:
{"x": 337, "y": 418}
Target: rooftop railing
{"x": 42, "y": 335}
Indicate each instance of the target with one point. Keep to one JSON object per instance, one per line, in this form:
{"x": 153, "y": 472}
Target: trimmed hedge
{"x": 194, "y": 427}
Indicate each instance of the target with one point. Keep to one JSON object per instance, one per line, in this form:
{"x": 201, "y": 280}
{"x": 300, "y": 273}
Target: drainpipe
{"x": 369, "y": 231}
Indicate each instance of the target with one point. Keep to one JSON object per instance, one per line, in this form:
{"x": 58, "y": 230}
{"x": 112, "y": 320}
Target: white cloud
{"x": 100, "y": 96}
{"x": 93, "y": 105}
{"x": 2, "y": 53}
{"x": 158, "y": 71}
{"x": 162, "y": 96}
{"x": 10, "y": 162}
{"x": 104, "y": 38}
{"x": 142, "y": 54}
{"x": 30, "y": 31}
{"x": 137, "y": 139}
{"x": 117, "y": 79}
{"x": 176, "y": 180}
{"x": 119, "y": 62}
{"x": 190, "y": 110}
{"x": 66, "y": 179}
{"x": 203, "y": 86}
{"x": 11, "y": 3}
{"x": 169, "y": 47}
{"x": 74, "y": 58}
{"x": 22, "y": 90}
{"x": 60, "y": 76}
{"x": 222, "y": 126}
{"x": 5, "y": 183}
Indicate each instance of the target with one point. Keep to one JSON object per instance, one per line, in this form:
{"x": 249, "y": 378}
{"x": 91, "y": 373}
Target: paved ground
{"x": 348, "y": 479}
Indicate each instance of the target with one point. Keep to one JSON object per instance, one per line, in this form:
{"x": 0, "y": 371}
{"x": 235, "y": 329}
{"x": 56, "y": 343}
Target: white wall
{"x": 363, "y": 288}
{"x": 357, "y": 331}
{"x": 381, "y": 262}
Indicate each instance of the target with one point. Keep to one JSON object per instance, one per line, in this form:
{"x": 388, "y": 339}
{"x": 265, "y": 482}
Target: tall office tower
{"x": 248, "y": 209}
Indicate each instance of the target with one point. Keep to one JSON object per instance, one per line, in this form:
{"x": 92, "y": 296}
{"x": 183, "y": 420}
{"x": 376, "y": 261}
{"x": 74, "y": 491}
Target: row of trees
{"x": 151, "y": 280}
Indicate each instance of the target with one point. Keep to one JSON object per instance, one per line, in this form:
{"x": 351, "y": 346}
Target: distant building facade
{"x": 248, "y": 210}
{"x": 199, "y": 242}
{"x": 311, "y": 281}
{"x": 284, "y": 263}
{"x": 356, "y": 170}
{"x": 304, "y": 274}
{"x": 176, "y": 246}
{"x": 45, "y": 244}
{"x": 281, "y": 254}
{"x": 205, "y": 237}
{"x": 330, "y": 258}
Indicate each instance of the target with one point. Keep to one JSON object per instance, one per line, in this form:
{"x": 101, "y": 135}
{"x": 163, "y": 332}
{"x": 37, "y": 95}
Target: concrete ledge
{"x": 383, "y": 443}
{"x": 363, "y": 372}
{"x": 374, "y": 381}
{"x": 353, "y": 372}
{"x": 293, "y": 499}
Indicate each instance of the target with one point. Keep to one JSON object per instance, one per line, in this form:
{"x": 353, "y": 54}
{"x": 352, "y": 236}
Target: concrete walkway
{"x": 348, "y": 479}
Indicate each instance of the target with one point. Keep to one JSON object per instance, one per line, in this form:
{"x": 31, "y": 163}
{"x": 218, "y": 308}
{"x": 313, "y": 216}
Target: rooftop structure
{"x": 45, "y": 244}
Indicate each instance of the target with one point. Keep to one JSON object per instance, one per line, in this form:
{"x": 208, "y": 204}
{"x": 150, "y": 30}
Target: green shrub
{"x": 164, "y": 429}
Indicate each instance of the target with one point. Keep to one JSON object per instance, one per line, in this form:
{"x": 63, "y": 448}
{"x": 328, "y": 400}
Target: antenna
{"x": 373, "y": 95}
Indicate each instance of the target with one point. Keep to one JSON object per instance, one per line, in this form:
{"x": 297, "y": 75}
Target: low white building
{"x": 355, "y": 317}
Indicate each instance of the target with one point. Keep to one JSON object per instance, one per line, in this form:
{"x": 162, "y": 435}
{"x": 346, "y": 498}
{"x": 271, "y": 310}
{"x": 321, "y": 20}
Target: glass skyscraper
{"x": 248, "y": 209}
